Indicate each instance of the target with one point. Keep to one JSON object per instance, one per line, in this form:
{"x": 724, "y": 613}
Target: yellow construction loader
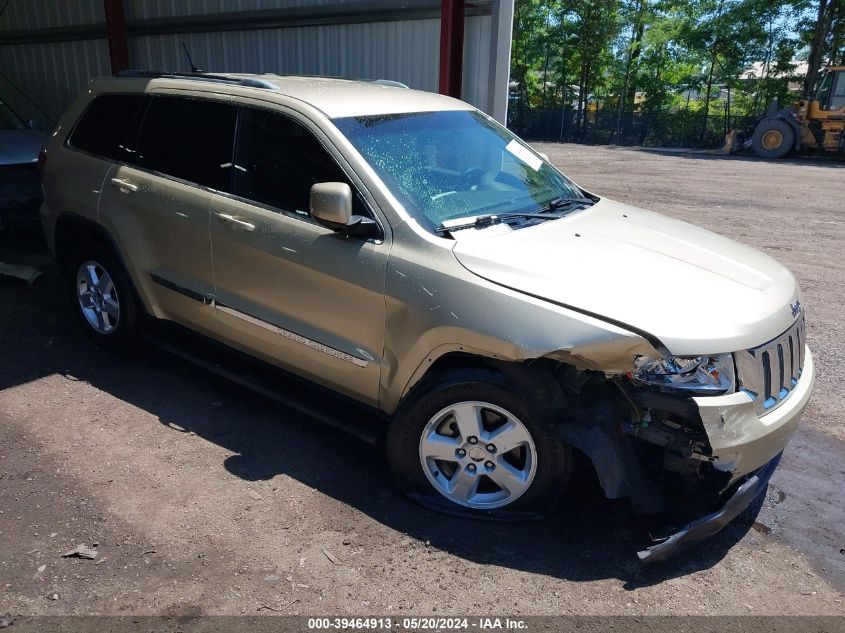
{"x": 816, "y": 122}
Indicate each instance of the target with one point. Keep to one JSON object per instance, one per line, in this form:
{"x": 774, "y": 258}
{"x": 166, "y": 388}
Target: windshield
{"x": 455, "y": 164}
{"x": 9, "y": 120}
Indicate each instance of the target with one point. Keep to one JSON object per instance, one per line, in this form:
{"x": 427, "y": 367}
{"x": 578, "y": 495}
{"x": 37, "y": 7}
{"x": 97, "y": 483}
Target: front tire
{"x": 773, "y": 138}
{"x": 103, "y": 298}
{"x": 469, "y": 442}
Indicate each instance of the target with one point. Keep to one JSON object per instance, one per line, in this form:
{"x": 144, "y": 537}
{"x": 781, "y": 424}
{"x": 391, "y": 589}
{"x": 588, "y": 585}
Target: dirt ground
{"x": 203, "y": 498}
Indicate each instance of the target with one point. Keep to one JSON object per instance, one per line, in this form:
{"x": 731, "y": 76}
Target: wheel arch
{"x": 441, "y": 360}
{"x": 73, "y": 229}
{"x": 539, "y": 374}
{"x": 594, "y": 349}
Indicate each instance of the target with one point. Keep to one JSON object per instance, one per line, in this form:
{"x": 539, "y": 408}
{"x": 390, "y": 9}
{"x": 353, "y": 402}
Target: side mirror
{"x": 34, "y": 124}
{"x": 331, "y": 205}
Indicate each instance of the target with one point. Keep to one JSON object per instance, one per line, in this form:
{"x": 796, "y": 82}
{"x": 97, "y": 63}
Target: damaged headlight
{"x": 705, "y": 375}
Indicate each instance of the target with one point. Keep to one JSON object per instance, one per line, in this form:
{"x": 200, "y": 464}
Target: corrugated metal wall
{"x": 40, "y": 14}
{"x": 50, "y": 74}
{"x": 404, "y": 50}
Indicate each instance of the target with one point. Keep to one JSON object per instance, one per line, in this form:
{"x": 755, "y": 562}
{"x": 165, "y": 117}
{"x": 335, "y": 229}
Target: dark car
{"x": 20, "y": 186}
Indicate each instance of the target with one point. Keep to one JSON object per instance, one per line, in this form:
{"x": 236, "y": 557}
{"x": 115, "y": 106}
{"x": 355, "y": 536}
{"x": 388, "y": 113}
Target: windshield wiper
{"x": 560, "y": 203}
{"x": 483, "y": 221}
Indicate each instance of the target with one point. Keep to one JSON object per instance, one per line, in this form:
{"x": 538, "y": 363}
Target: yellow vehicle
{"x": 816, "y": 122}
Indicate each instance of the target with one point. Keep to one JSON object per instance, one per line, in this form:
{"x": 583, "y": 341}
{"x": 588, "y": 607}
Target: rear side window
{"x": 105, "y": 126}
{"x": 190, "y": 139}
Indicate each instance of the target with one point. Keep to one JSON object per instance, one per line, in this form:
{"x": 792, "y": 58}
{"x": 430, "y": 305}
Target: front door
{"x": 287, "y": 289}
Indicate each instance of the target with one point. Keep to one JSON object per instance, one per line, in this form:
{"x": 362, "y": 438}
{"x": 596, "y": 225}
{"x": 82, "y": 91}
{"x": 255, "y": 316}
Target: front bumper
{"x": 710, "y": 524}
{"x": 742, "y": 442}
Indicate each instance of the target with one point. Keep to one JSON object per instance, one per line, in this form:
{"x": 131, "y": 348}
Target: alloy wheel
{"x": 97, "y": 296}
{"x": 478, "y": 455}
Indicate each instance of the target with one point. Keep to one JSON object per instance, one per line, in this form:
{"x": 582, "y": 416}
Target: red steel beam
{"x": 451, "y": 47}
{"x": 116, "y": 35}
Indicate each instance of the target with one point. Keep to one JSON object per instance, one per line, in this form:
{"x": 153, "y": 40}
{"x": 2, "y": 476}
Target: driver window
{"x": 277, "y": 160}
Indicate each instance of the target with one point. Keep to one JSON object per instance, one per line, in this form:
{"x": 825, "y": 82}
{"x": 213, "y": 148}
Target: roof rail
{"x": 388, "y": 82}
{"x": 248, "y": 82}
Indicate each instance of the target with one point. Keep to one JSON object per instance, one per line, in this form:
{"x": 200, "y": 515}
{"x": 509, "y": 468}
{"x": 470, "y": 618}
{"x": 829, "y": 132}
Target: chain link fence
{"x": 605, "y": 127}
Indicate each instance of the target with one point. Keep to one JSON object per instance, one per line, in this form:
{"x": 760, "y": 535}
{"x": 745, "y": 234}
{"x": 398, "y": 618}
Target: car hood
{"x": 695, "y": 291}
{"x": 19, "y": 147}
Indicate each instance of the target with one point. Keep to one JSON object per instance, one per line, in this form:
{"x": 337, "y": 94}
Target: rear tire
{"x": 509, "y": 462}
{"x": 773, "y": 138}
{"x": 103, "y": 297}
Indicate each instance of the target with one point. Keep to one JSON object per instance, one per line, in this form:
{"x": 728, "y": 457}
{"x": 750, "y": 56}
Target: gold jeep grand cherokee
{"x": 440, "y": 278}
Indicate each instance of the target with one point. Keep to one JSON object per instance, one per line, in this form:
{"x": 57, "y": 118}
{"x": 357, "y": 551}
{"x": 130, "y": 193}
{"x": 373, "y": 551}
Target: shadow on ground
{"x": 591, "y": 538}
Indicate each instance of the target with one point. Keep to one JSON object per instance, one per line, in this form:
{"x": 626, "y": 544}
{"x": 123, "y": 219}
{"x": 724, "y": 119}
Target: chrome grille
{"x": 770, "y": 372}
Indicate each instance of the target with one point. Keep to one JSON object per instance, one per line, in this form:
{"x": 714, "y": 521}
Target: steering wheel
{"x": 470, "y": 178}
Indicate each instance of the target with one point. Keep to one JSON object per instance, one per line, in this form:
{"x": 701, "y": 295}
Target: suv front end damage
{"x": 692, "y": 454}
{"x": 709, "y": 456}
{"x": 743, "y": 441}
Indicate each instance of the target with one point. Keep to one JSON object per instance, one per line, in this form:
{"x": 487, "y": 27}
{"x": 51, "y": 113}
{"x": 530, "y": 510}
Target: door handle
{"x": 235, "y": 222}
{"x": 124, "y": 185}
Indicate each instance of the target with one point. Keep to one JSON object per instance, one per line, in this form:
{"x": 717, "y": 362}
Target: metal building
{"x": 50, "y": 49}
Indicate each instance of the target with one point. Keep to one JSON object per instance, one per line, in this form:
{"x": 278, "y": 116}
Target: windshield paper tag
{"x": 525, "y": 155}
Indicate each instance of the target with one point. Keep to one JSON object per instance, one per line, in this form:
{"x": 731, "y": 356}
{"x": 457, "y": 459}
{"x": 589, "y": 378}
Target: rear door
{"x": 159, "y": 204}
{"x": 74, "y": 176}
{"x": 288, "y": 289}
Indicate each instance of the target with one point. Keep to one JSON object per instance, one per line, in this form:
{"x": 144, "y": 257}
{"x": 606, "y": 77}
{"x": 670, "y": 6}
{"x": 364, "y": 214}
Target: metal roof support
{"x": 451, "y": 47}
{"x": 500, "y": 60}
{"x": 116, "y": 35}
{"x": 361, "y": 12}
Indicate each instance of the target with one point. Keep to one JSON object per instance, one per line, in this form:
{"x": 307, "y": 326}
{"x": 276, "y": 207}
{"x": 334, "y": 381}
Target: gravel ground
{"x": 203, "y": 498}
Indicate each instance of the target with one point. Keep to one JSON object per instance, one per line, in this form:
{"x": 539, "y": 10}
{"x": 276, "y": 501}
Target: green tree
{"x": 665, "y": 66}
{"x": 705, "y": 56}
{"x": 529, "y": 30}
{"x": 823, "y": 34}
{"x": 588, "y": 28}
